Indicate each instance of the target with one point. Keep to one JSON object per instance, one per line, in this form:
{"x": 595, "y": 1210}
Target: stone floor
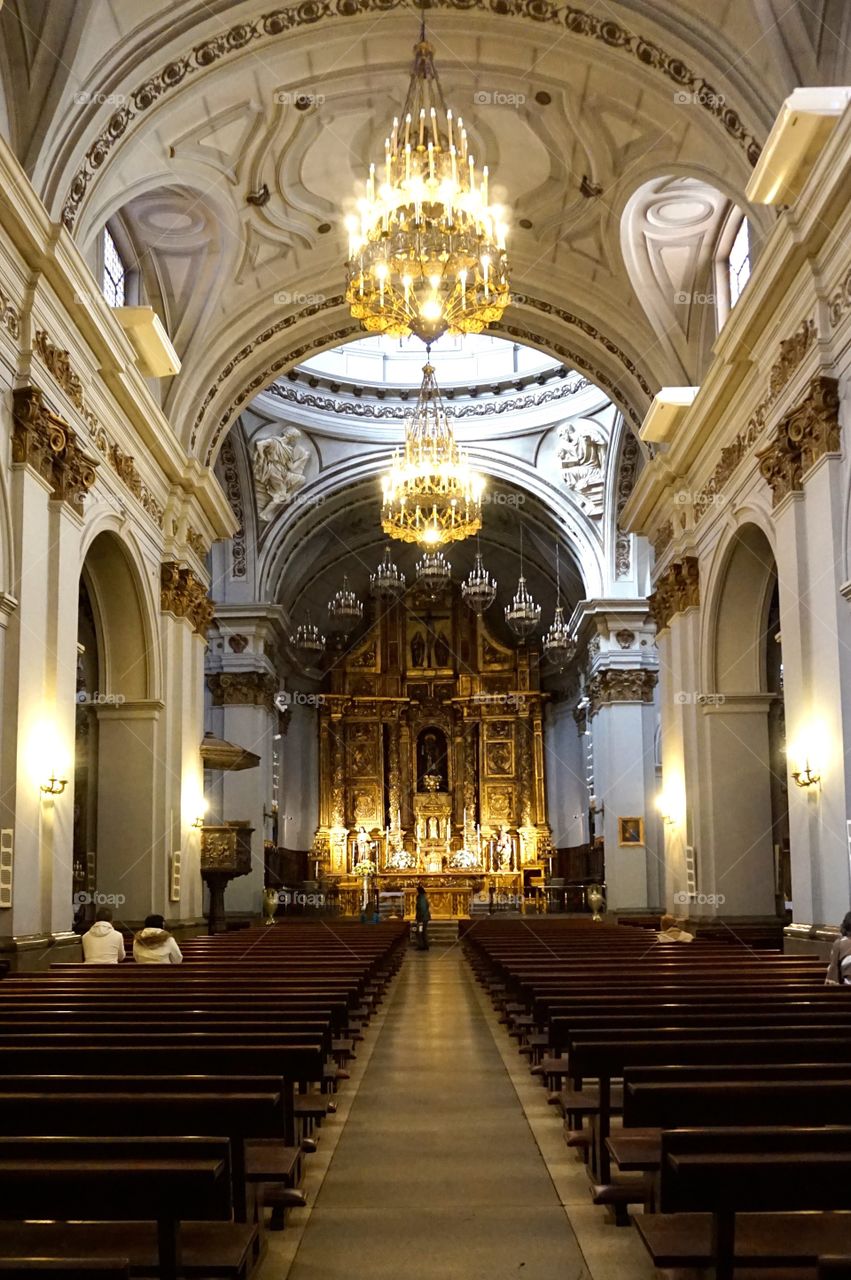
{"x": 444, "y": 1159}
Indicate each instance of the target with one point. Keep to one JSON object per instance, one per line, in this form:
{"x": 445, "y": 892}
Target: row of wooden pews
{"x": 709, "y": 1084}
{"x": 149, "y": 1115}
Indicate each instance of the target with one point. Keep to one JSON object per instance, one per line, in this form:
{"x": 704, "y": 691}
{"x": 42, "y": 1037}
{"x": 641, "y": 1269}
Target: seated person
{"x": 103, "y": 944}
{"x": 839, "y": 967}
{"x": 154, "y": 944}
{"x": 673, "y": 930}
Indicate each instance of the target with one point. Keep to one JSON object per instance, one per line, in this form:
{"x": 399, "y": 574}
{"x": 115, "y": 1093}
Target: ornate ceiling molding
{"x": 307, "y": 13}
{"x": 260, "y": 381}
{"x": 377, "y": 408}
{"x": 233, "y": 489}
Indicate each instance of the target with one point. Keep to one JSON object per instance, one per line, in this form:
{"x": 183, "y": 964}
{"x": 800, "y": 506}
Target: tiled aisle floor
{"x": 436, "y": 1173}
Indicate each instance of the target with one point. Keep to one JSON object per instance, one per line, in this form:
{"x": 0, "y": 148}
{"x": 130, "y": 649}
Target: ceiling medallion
{"x": 430, "y": 494}
{"x": 426, "y": 248}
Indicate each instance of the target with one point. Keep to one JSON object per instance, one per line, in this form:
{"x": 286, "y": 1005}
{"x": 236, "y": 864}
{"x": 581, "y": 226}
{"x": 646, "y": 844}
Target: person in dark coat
{"x": 839, "y": 965}
{"x": 422, "y": 918}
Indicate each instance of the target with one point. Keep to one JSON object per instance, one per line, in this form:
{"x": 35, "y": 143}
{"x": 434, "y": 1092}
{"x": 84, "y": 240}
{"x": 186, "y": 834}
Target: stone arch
{"x": 738, "y": 606}
{"x": 124, "y": 613}
{"x": 736, "y": 713}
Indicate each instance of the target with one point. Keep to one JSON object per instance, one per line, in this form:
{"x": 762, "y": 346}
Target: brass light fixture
{"x": 806, "y": 777}
{"x": 427, "y": 248}
{"x": 54, "y": 786}
{"x": 430, "y": 494}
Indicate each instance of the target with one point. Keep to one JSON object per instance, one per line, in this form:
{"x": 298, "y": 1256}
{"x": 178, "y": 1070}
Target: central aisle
{"x": 436, "y": 1173}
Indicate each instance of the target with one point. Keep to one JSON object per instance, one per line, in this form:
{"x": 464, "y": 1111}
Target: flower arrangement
{"x": 366, "y": 867}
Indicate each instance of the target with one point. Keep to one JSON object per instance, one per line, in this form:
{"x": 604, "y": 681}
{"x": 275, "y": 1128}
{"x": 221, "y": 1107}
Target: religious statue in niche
{"x": 279, "y": 463}
{"x": 441, "y": 650}
{"x": 581, "y": 450}
{"x": 418, "y": 649}
{"x": 431, "y": 760}
{"x": 503, "y": 850}
{"x": 363, "y": 845}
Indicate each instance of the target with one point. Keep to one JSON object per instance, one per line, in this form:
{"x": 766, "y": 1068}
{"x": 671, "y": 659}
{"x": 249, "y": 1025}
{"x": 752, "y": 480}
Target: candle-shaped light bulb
{"x": 407, "y": 129}
{"x": 485, "y": 185}
{"x": 450, "y": 139}
{"x": 422, "y": 125}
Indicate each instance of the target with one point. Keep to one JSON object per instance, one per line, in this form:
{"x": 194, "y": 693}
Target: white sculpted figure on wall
{"x": 279, "y": 463}
{"x": 581, "y": 451}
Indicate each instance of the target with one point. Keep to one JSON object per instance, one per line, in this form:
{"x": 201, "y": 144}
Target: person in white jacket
{"x": 103, "y": 944}
{"x": 154, "y": 944}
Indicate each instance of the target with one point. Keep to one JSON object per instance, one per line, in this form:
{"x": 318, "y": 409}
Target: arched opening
{"x": 114, "y": 757}
{"x": 745, "y": 735}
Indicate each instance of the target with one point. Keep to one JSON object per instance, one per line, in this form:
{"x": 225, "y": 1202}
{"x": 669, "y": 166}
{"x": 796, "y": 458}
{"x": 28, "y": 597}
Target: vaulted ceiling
{"x": 167, "y": 117}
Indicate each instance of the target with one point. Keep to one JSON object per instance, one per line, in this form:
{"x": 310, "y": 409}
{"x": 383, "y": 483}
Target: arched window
{"x": 733, "y": 261}
{"x": 739, "y": 262}
{"x": 113, "y": 271}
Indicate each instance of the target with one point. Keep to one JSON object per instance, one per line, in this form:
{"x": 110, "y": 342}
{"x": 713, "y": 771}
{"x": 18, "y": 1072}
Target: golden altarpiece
{"x": 431, "y": 761}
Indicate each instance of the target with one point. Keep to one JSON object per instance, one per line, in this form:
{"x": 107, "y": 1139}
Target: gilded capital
{"x": 184, "y": 595}
{"x": 242, "y": 689}
{"x": 614, "y": 684}
{"x": 677, "y": 589}
{"x": 801, "y": 438}
{"x": 41, "y": 440}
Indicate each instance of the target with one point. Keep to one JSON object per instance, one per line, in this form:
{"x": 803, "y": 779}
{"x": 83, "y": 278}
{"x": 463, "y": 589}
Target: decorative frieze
{"x": 792, "y": 353}
{"x": 233, "y": 489}
{"x": 124, "y": 466}
{"x": 614, "y": 684}
{"x": 663, "y": 539}
{"x": 677, "y": 589}
{"x": 840, "y": 301}
{"x": 10, "y": 316}
{"x": 197, "y": 543}
{"x": 184, "y": 595}
{"x": 58, "y": 362}
{"x": 630, "y": 455}
{"x": 242, "y": 689}
{"x": 804, "y": 436}
{"x": 41, "y": 440}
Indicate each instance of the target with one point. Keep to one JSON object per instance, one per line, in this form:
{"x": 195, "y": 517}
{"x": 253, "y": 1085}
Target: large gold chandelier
{"x": 427, "y": 249}
{"x": 431, "y": 495}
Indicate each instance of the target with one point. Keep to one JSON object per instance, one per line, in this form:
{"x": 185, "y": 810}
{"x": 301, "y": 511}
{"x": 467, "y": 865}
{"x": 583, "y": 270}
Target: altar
{"x": 453, "y": 896}
{"x": 431, "y": 762}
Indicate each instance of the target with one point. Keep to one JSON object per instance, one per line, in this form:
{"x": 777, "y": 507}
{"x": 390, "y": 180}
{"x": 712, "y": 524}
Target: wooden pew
{"x": 787, "y": 1179}
{"x": 81, "y": 1183}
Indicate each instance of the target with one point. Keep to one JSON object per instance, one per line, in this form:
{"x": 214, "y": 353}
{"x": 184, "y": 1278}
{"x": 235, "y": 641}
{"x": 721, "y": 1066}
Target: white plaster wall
{"x": 564, "y": 765}
{"x": 299, "y": 802}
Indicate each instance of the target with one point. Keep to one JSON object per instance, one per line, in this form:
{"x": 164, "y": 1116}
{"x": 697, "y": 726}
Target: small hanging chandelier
{"x": 557, "y": 644}
{"x": 434, "y": 572}
{"x": 308, "y": 640}
{"x": 522, "y": 615}
{"x": 430, "y": 494}
{"x": 345, "y": 611}
{"x": 388, "y": 580}
{"x": 427, "y": 248}
{"x": 478, "y": 588}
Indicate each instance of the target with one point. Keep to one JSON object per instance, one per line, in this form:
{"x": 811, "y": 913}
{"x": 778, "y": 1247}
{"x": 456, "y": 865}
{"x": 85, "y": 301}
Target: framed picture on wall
{"x": 630, "y": 831}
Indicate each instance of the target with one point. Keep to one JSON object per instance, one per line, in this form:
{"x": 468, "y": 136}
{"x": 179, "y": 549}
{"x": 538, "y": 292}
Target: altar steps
{"x": 443, "y": 933}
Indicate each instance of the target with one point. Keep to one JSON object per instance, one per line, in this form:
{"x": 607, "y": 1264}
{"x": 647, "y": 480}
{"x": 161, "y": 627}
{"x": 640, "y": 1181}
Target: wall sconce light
{"x": 806, "y": 777}
{"x": 666, "y": 809}
{"x": 199, "y": 821}
{"x": 54, "y": 786}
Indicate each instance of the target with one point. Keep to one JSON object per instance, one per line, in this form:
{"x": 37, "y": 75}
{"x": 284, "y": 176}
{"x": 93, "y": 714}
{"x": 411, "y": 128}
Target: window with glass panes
{"x": 739, "y": 262}
{"x": 114, "y": 272}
